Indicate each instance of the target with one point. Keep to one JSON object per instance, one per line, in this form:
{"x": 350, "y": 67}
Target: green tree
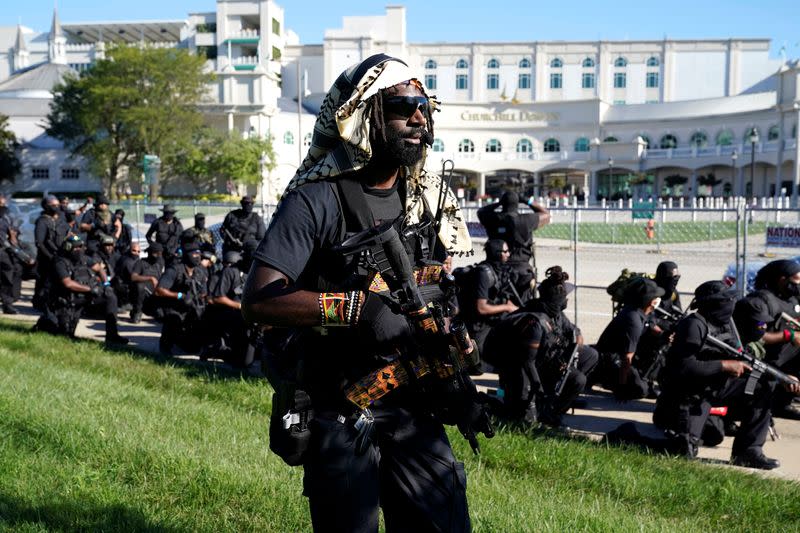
{"x": 9, "y": 162}
{"x": 137, "y": 101}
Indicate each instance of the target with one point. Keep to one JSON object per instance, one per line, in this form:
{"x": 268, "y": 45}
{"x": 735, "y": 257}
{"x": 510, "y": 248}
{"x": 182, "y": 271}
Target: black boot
{"x": 112, "y": 333}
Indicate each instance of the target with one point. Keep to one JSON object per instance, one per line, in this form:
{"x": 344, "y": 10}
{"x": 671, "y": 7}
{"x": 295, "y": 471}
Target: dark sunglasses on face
{"x": 405, "y": 106}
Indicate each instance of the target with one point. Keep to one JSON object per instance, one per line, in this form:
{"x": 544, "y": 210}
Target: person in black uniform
{"x": 698, "y": 375}
{"x": 183, "y": 292}
{"x": 376, "y": 121}
{"x": 241, "y": 225}
{"x": 79, "y": 285}
{"x": 516, "y": 229}
{"x": 166, "y": 231}
{"x": 758, "y": 317}
{"x": 223, "y": 317}
{"x": 123, "y": 243}
{"x": 122, "y": 282}
{"x": 99, "y": 222}
{"x": 200, "y": 234}
{"x": 13, "y": 260}
{"x": 48, "y": 236}
{"x": 144, "y": 280}
{"x": 617, "y": 344}
{"x": 655, "y": 340}
{"x": 493, "y": 295}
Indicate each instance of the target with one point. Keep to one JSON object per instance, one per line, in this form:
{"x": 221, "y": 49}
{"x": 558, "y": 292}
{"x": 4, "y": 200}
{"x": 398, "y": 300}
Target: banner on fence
{"x": 783, "y": 236}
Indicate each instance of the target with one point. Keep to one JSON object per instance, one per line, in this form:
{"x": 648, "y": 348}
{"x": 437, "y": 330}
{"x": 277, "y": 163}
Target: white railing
{"x": 244, "y": 34}
{"x": 245, "y": 60}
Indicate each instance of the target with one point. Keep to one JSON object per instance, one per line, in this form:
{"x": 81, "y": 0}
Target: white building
{"x": 607, "y": 118}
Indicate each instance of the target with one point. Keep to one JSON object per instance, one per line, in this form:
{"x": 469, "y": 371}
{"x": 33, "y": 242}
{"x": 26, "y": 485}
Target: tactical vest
{"x": 242, "y": 228}
{"x": 725, "y": 333}
{"x": 167, "y": 234}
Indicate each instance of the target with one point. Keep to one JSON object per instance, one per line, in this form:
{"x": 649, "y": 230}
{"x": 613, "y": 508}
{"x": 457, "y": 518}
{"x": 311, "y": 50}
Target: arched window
{"x": 493, "y": 63}
{"x": 668, "y": 141}
{"x": 524, "y": 146}
{"x": 774, "y": 133}
{"x": 525, "y": 63}
{"x": 653, "y": 62}
{"x": 556, "y": 63}
{"x": 552, "y": 145}
{"x": 307, "y": 140}
{"x": 462, "y": 63}
{"x": 438, "y": 145}
{"x": 620, "y": 62}
{"x": 588, "y": 63}
{"x": 493, "y": 145}
{"x": 725, "y": 138}
{"x": 466, "y": 146}
{"x": 698, "y": 139}
{"x": 430, "y": 64}
{"x": 582, "y": 145}
{"x": 288, "y": 138}
{"x": 646, "y": 139}
{"x": 610, "y": 139}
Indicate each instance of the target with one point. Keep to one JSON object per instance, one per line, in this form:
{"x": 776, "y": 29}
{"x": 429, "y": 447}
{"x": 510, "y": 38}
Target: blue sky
{"x": 466, "y": 20}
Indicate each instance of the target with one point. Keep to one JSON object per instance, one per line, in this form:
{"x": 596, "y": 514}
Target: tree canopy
{"x": 9, "y": 162}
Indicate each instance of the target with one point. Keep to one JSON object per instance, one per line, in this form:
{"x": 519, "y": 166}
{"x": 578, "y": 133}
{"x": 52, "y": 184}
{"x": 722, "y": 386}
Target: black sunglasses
{"x": 405, "y": 106}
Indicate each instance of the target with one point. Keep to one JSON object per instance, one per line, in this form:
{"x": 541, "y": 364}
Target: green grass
{"x": 634, "y": 233}
{"x": 99, "y": 440}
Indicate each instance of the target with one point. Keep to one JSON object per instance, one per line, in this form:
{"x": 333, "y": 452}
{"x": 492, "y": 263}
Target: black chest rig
{"x": 725, "y": 333}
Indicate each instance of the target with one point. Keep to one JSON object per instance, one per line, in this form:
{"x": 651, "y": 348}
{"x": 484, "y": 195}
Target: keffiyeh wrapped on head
{"x": 341, "y": 144}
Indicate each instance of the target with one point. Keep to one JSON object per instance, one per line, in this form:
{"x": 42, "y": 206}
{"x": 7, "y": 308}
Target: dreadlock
{"x": 556, "y": 275}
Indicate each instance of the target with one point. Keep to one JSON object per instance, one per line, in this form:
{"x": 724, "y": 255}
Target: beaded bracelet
{"x": 340, "y": 308}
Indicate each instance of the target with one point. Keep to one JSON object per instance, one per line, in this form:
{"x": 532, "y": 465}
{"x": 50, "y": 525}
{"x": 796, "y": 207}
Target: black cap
{"x": 509, "y": 200}
{"x": 106, "y": 239}
{"x": 641, "y": 290}
{"x": 155, "y": 247}
{"x": 232, "y": 257}
{"x": 200, "y": 216}
{"x": 247, "y": 199}
{"x": 190, "y": 247}
{"x": 120, "y": 212}
{"x": 666, "y": 270}
{"x": 711, "y": 289}
{"x": 102, "y": 199}
{"x": 169, "y": 209}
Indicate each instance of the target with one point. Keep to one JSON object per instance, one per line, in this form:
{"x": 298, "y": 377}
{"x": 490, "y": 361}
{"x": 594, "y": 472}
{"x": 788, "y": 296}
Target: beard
{"x": 397, "y": 152}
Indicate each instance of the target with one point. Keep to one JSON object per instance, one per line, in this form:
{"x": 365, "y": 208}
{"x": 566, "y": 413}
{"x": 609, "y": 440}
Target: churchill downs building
{"x": 596, "y": 119}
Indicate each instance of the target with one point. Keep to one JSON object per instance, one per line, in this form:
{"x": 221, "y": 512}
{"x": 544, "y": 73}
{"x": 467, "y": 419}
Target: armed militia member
{"x": 240, "y": 226}
{"x": 145, "y": 276}
{"x": 14, "y": 259}
{"x": 199, "y": 234}
{"x": 758, "y": 315}
{"x": 697, "y": 375}
{"x": 124, "y": 267}
{"x": 183, "y": 289}
{"x": 617, "y": 344}
{"x": 223, "y": 317}
{"x": 375, "y": 123}
{"x": 48, "y": 236}
{"x": 123, "y": 242}
{"x": 99, "y": 222}
{"x": 166, "y": 231}
{"x": 492, "y": 296}
{"x": 79, "y": 285}
{"x": 516, "y": 229}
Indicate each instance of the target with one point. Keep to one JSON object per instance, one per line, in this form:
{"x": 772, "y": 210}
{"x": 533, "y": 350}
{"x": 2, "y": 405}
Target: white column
{"x": 481, "y": 179}
{"x": 230, "y": 122}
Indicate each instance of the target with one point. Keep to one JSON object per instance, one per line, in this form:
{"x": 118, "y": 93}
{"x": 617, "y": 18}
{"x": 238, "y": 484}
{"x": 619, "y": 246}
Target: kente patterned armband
{"x": 340, "y": 308}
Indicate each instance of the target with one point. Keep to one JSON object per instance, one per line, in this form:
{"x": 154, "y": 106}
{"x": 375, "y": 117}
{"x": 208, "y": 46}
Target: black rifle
{"x": 757, "y": 367}
{"x": 572, "y": 364}
{"x": 386, "y": 253}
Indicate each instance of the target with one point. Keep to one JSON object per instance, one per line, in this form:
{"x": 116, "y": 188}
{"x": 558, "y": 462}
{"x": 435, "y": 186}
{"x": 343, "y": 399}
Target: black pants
{"x": 576, "y": 380}
{"x": 519, "y": 378}
{"x": 409, "y": 471}
{"x": 227, "y": 334}
{"x": 753, "y": 411}
{"x": 181, "y": 326}
{"x": 608, "y": 375}
{"x": 788, "y": 361}
{"x": 44, "y": 268}
{"x": 10, "y": 278}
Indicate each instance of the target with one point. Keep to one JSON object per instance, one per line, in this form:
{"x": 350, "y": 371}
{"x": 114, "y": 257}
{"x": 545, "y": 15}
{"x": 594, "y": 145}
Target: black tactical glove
{"x": 96, "y": 291}
{"x": 380, "y": 320}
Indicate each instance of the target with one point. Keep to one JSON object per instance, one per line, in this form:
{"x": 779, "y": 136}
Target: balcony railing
{"x": 244, "y": 34}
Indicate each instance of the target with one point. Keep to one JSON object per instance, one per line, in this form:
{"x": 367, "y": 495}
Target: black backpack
{"x": 467, "y": 282}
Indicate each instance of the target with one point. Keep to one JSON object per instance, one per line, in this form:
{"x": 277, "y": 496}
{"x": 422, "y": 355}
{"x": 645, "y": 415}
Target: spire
{"x": 55, "y": 27}
{"x": 19, "y": 44}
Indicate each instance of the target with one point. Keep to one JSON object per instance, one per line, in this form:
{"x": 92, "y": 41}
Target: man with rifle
{"x": 182, "y": 290}
{"x": 241, "y": 225}
{"x": 13, "y": 260}
{"x": 374, "y": 362}
{"x": 166, "y": 231}
{"x": 707, "y": 366}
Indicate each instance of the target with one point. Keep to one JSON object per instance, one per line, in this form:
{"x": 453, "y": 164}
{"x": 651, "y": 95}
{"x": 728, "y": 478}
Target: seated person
{"x": 617, "y": 343}
{"x": 144, "y": 280}
{"x": 225, "y": 325}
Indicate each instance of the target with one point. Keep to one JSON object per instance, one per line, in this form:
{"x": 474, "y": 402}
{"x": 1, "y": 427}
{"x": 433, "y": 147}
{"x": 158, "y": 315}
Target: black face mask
{"x": 51, "y": 209}
{"x": 76, "y": 254}
{"x": 153, "y": 258}
{"x": 200, "y": 224}
{"x": 793, "y": 289}
{"x": 718, "y": 312}
{"x": 554, "y": 306}
{"x": 192, "y": 260}
{"x": 247, "y": 208}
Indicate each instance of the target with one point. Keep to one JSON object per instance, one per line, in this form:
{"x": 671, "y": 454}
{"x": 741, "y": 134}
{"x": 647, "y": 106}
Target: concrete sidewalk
{"x": 601, "y": 414}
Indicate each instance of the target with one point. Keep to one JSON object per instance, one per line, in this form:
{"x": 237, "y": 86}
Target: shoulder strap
{"x": 356, "y": 211}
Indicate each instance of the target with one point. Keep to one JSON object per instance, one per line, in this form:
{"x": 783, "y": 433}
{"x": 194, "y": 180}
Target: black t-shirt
{"x": 144, "y": 267}
{"x": 125, "y": 267}
{"x": 622, "y": 335}
{"x": 79, "y": 270}
{"x": 514, "y": 228}
{"x": 176, "y": 278}
{"x": 690, "y": 359}
{"x": 229, "y": 283}
{"x": 165, "y": 233}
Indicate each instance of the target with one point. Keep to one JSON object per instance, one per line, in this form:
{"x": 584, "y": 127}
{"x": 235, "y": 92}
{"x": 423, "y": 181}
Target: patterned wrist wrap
{"x": 340, "y": 308}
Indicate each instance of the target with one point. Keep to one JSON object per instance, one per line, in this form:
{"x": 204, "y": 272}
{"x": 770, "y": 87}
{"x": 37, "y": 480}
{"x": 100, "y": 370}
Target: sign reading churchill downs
{"x": 509, "y": 116}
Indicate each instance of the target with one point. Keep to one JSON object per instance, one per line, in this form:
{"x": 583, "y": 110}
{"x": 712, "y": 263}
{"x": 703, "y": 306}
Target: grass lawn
{"x": 100, "y": 440}
{"x": 634, "y": 233}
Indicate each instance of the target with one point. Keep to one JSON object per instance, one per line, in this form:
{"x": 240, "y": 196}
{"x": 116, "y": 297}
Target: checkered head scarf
{"x": 341, "y": 144}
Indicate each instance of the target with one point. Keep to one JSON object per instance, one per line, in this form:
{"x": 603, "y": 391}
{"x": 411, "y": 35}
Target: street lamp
{"x": 610, "y": 164}
{"x": 734, "y": 157}
{"x": 753, "y": 141}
